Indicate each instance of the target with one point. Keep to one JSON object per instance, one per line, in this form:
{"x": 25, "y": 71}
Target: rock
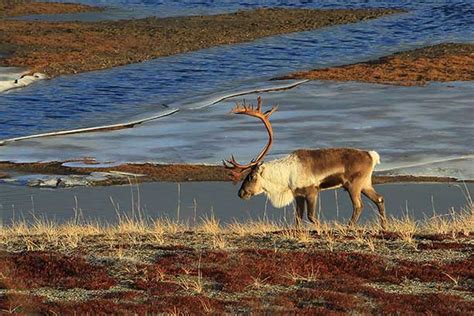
{"x": 74, "y": 181}
{"x": 46, "y": 183}
{"x": 67, "y": 181}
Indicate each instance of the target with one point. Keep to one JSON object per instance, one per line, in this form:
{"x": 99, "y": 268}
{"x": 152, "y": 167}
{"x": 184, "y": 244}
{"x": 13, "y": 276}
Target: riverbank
{"x": 441, "y": 63}
{"x": 73, "y": 47}
{"x": 149, "y": 172}
{"x": 167, "y": 267}
{"x": 9, "y": 8}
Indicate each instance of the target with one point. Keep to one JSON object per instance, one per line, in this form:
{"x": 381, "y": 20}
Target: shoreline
{"x": 148, "y": 172}
{"x": 438, "y": 63}
{"x": 87, "y": 46}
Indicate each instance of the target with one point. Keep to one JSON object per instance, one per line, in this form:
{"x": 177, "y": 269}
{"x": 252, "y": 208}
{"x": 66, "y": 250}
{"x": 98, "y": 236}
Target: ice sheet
{"x": 406, "y": 125}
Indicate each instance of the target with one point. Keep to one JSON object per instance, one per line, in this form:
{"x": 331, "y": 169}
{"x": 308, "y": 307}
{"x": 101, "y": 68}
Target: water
{"x": 109, "y": 96}
{"x": 198, "y": 200}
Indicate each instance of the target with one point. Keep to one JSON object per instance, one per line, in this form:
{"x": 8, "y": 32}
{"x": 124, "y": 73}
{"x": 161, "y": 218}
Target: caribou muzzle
{"x": 244, "y": 194}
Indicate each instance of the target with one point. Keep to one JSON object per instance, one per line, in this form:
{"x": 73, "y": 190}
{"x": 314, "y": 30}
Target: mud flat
{"x": 72, "y": 47}
{"x": 443, "y": 62}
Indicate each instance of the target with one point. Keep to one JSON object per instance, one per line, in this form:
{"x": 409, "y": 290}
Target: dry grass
{"x": 405, "y": 228}
{"x": 135, "y": 230}
{"x": 168, "y": 226}
{"x": 211, "y": 266}
{"x": 209, "y": 225}
{"x": 299, "y": 234}
{"x": 256, "y": 227}
{"x": 311, "y": 276}
{"x": 452, "y": 223}
{"x": 219, "y": 242}
{"x": 193, "y": 284}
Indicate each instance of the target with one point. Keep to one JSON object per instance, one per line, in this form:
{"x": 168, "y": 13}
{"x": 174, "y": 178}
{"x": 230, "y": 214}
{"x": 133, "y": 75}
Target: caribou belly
{"x": 333, "y": 181}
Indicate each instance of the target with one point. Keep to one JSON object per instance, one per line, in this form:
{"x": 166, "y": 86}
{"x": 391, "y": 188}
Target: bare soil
{"x": 202, "y": 273}
{"x": 443, "y": 62}
{"x": 56, "y": 48}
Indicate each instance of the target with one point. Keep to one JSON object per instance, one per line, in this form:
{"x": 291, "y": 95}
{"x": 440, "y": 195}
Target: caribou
{"x": 302, "y": 174}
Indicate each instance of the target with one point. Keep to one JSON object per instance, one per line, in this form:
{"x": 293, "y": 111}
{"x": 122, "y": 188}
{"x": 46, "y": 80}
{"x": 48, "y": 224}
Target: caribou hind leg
{"x": 379, "y": 201}
{"x": 357, "y": 205}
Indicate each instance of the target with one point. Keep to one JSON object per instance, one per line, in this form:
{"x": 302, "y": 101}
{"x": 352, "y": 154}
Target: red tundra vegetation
{"x": 443, "y": 62}
{"x": 38, "y": 269}
{"x": 182, "y": 273}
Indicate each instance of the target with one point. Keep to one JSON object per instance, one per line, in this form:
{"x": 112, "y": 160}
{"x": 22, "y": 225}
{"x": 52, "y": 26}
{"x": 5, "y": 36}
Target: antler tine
{"x": 233, "y": 164}
{"x": 236, "y": 170}
{"x": 271, "y": 111}
{"x": 259, "y": 104}
{"x": 250, "y": 109}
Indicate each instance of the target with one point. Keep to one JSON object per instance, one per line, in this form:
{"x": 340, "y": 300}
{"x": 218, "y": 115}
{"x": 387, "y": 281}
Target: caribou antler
{"x": 238, "y": 169}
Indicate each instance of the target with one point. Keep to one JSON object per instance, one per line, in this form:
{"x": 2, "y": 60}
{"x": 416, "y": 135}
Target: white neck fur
{"x": 276, "y": 178}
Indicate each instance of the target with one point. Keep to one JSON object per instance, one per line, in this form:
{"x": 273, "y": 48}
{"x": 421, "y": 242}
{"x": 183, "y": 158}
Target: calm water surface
{"x": 198, "y": 200}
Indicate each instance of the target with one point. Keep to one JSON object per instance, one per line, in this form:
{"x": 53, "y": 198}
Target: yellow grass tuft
{"x": 297, "y": 234}
{"x": 210, "y": 225}
{"x": 453, "y": 223}
{"x": 311, "y": 276}
{"x": 405, "y": 228}
{"x": 219, "y": 242}
{"x": 322, "y": 228}
{"x": 168, "y": 226}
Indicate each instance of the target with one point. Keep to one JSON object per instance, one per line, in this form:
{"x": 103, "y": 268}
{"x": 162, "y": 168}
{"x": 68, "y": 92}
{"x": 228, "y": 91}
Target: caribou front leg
{"x": 299, "y": 210}
{"x": 312, "y": 201}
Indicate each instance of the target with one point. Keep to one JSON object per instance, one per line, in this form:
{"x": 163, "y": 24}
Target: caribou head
{"x": 252, "y": 171}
